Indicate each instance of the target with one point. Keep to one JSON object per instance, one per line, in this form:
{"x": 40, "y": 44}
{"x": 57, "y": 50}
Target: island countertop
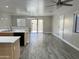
{"x": 9, "y": 39}
{"x": 14, "y": 30}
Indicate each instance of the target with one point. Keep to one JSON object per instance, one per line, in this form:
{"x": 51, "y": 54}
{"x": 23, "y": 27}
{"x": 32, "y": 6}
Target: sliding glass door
{"x": 36, "y": 25}
{"x": 40, "y": 25}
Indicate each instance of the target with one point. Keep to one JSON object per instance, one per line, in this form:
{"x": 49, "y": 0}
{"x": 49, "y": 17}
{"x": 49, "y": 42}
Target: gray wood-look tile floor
{"x": 40, "y": 47}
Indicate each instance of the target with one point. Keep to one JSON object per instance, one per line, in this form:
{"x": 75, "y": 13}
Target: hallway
{"x": 41, "y": 47}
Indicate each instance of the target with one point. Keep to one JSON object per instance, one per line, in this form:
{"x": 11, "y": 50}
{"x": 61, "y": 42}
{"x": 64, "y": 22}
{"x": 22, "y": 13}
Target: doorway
{"x": 37, "y": 25}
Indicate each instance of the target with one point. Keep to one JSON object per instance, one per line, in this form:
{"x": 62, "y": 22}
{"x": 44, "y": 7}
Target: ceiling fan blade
{"x": 53, "y": 1}
{"x": 59, "y": 1}
{"x": 51, "y": 5}
{"x": 67, "y": 4}
{"x": 67, "y": 1}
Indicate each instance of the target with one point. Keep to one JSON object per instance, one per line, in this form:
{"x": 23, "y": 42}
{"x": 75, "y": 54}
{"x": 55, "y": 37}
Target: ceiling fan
{"x": 61, "y": 3}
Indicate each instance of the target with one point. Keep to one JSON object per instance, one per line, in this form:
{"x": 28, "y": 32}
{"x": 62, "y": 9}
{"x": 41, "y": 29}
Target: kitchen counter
{"x": 8, "y": 39}
{"x": 14, "y": 30}
{"x": 2, "y": 30}
{"x": 23, "y": 33}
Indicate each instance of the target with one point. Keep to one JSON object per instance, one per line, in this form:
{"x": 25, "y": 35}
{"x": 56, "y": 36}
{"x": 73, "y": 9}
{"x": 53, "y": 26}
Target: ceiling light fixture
{"x": 6, "y": 6}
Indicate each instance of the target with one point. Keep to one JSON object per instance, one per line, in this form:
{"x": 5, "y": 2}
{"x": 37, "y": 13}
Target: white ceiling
{"x": 29, "y": 7}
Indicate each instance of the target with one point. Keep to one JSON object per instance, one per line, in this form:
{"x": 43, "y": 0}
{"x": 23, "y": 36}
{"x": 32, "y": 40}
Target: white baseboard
{"x": 70, "y": 44}
{"x": 57, "y": 36}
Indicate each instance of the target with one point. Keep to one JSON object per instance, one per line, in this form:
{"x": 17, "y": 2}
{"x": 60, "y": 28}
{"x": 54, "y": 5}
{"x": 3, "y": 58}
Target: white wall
{"x": 5, "y": 20}
{"x": 47, "y": 26}
{"x": 68, "y": 13}
{"x": 14, "y": 20}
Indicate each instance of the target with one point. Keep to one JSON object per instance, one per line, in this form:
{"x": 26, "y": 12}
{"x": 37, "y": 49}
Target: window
{"x": 21, "y": 22}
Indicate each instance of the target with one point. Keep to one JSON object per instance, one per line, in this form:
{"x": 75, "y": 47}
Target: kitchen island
{"x": 9, "y": 47}
{"x": 24, "y": 35}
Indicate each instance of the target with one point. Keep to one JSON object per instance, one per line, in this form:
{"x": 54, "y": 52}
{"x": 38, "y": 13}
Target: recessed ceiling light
{"x": 2, "y": 18}
{"x": 6, "y": 6}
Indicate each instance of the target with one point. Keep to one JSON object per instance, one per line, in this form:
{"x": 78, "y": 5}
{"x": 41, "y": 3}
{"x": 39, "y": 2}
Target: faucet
{"x": 10, "y": 28}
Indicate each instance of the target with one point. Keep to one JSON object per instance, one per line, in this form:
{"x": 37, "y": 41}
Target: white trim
{"x": 67, "y": 42}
